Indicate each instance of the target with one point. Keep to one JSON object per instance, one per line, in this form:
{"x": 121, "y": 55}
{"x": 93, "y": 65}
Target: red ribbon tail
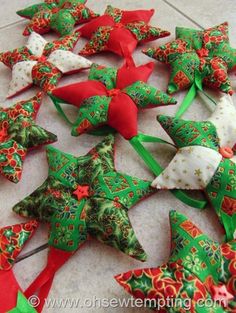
{"x": 129, "y": 61}
{"x": 42, "y": 284}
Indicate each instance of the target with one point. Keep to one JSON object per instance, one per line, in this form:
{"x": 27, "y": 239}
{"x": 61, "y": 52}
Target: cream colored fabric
{"x": 36, "y": 44}
{"x": 21, "y": 77}
{"x": 191, "y": 168}
{"x": 224, "y": 119}
{"x": 67, "y": 61}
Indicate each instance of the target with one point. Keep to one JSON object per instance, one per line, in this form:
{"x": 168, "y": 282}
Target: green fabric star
{"x": 86, "y": 196}
{"x": 205, "y": 160}
{"x": 199, "y": 269}
{"x": 23, "y": 305}
{"x": 60, "y": 16}
{"x": 207, "y": 52}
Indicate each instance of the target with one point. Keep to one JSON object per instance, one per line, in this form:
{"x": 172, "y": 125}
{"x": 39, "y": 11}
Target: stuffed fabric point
{"x": 111, "y": 97}
{"x": 120, "y": 31}
{"x": 60, "y": 17}
{"x": 18, "y": 134}
{"x": 42, "y": 63}
{"x": 190, "y": 264}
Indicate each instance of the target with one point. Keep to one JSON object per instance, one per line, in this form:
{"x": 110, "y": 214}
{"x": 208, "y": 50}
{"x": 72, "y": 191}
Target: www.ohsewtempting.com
{"x": 95, "y": 303}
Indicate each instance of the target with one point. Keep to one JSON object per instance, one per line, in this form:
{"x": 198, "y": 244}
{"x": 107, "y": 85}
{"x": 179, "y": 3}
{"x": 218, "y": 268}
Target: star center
{"x": 226, "y": 152}
{"x": 81, "y": 192}
{"x": 113, "y": 92}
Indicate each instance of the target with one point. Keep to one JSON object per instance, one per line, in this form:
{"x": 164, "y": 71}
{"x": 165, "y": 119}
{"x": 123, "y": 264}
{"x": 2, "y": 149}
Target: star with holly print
{"x": 42, "y": 63}
{"x": 199, "y": 276}
{"x": 111, "y": 97}
{"x": 205, "y": 160}
{"x": 12, "y": 241}
{"x": 198, "y": 57}
{"x": 59, "y": 16}
{"x": 84, "y": 197}
{"x": 18, "y": 133}
{"x": 119, "y": 31}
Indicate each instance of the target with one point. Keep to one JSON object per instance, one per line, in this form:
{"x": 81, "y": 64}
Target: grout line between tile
{"x": 32, "y": 252}
{"x": 182, "y": 13}
{"x": 11, "y": 24}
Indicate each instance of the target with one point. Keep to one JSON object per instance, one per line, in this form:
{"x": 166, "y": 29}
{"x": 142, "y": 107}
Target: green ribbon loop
{"x": 57, "y": 102}
{"x": 192, "y": 93}
{"x": 156, "y": 169}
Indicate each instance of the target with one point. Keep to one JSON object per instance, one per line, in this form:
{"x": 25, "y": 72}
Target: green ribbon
{"x": 101, "y": 131}
{"x": 153, "y": 165}
{"x": 191, "y": 95}
{"x": 229, "y": 223}
{"x": 23, "y": 305}
{"x": 57, "y": 102}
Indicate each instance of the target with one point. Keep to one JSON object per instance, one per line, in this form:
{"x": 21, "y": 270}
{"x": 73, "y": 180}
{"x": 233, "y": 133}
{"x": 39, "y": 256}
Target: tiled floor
{"x": 90, "y": 272}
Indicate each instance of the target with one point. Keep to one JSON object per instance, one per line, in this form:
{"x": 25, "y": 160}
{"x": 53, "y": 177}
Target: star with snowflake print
{"x": 205, "y": 160}
{"x": 12, "y": 241}
{"x": 42, "y": 63}
{"x": 119, "y": 31}
{"x": 84, "y": 197}
{"x": 199, "y": 276}
{"x": 206, "y": 52}
{"x": 18, "y": 133}
{"x": 111, "y": 97}
{"x": 60, "y": 17}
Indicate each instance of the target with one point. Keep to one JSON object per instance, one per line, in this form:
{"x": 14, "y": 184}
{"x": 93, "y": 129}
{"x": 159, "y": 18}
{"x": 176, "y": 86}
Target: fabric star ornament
{"x": 120, "y": 31}
{"x": 199, "y": 276}
{"x": 84, "y": 197}
{"x": 12, "y": 241}
{"x": 205, "y": 160}
{"x": 196, "y": 58}
{"x": 42, "y": 63}
{"x": 112, "y": 97}
{"x": 18, "y": 133}
{"x": 60, "y": 17}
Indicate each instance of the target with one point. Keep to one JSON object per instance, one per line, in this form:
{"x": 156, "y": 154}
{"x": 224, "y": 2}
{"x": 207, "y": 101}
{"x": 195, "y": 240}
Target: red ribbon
{"x": 42, "y": 284}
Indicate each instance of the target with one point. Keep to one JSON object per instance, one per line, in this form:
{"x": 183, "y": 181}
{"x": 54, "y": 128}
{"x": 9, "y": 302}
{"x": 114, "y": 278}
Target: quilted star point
{"x": 42, "y": 63}
{"x": 60, "y": 17}
{"x": 194, "y": 267}
{"x": 19, "y": 132}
